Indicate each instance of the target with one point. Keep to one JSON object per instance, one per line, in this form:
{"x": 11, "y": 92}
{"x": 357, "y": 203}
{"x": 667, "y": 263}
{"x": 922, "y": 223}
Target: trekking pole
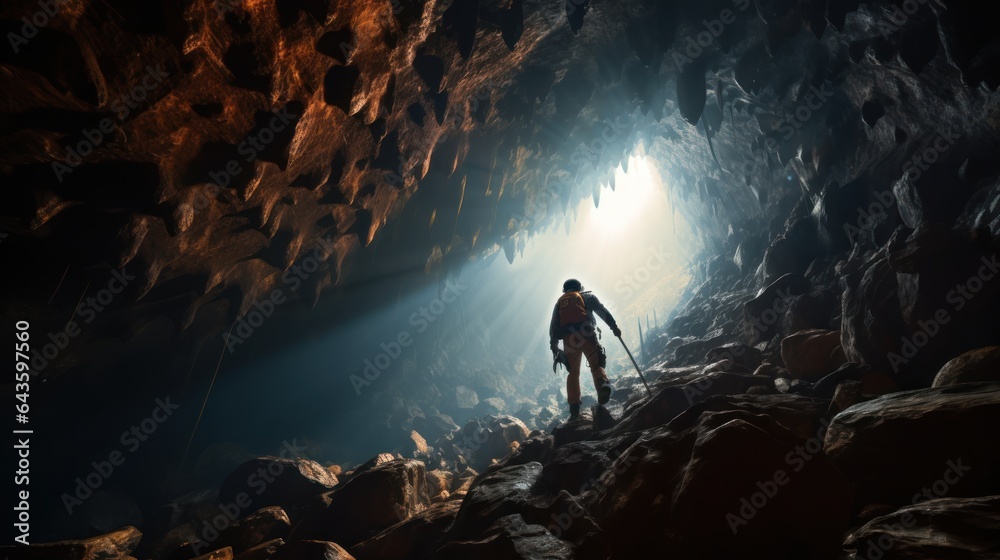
{"x": 636, "y": 367}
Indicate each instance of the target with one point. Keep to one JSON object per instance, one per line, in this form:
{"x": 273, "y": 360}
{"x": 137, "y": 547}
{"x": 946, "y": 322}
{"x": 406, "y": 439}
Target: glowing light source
{"x": 622, "y": 209}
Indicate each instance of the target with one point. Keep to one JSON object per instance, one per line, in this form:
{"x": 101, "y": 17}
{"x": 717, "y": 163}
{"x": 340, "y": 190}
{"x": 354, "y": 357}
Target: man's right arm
{"x": 554, "y": 329}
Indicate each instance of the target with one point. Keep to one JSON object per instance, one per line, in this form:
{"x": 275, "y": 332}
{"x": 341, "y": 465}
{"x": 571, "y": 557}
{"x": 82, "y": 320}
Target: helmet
{"x": 572, "y": 285}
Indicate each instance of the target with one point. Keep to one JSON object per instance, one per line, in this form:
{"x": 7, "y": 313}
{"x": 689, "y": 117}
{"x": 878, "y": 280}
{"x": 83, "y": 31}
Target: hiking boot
{"x": 574, "y": 410}
{"x": 604, "y": 393}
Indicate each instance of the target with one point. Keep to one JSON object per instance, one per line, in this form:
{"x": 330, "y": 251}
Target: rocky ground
{"x": 790, "y": 421}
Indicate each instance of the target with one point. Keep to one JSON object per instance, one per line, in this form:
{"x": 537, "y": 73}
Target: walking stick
{"x": 636, "y": 367}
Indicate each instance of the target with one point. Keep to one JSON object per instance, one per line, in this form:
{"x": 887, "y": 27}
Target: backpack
{"x": 572, "y": 313}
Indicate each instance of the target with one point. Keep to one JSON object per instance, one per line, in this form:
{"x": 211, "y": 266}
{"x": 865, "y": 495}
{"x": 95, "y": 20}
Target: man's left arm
{"x": 604, "y": 314}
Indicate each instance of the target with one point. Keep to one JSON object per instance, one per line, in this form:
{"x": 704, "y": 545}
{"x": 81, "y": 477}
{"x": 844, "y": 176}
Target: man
{"x": 573, "y": 322}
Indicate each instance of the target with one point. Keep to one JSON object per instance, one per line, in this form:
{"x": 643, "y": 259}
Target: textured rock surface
{"x": 976, "y": 365}
{"x": 267, "y": 481}
{"x": 947, "y": 528}
{"x": 895, "y": 448}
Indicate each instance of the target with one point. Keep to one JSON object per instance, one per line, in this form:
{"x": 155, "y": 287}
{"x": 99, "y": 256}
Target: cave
{"x": 302, "y": 279}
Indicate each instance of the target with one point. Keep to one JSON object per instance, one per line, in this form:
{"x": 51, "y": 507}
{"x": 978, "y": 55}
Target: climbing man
{"x": 573, "y": 322}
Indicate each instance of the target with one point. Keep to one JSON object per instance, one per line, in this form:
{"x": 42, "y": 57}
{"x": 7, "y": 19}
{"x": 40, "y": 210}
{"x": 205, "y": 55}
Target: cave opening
{"x": 282, "y": 272}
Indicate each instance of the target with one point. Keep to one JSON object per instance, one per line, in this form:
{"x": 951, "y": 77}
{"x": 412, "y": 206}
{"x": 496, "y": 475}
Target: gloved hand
{"x": 616, "y": 331}
{"x": 555, "y": 354}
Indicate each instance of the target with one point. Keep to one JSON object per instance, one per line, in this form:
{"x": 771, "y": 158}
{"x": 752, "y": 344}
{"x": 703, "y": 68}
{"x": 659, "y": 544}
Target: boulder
{"x": 312, "y": 550}
{"x": 679, "y": 488}
{"x": 434, "y": 425}
{"x": 463, "y": 482}
{"x": 670, "y": 401}
{"x": 374, "y": 499}
{"x": 416, "y": 537}
{"x": 492, "y": 405}
{"x": 942, "y": 529}
{"x": 465, "y": 398}
{"x": 265, "y": 524}
{"x": 275, "y": 481}
{"x": 509, "y": 538}
{"x": 574, "y": 466}
{"x": 263, "y": 551}
{"x": 762, "y": 315}
{"x": 116, "y": 544}
{"x": 811, "y": 354}
{"x": 922, "y": 302}
{"x": 439, "y": 481}
{"x": 517, "y": 490}
{"x": 746, "y": 357}
{"x": 895, "y": 447}
{"x": 982, "y": 364}
{"x": 492, "y": 438}
{"x": 218, "y": 554}
{"x": 418, "y": 445}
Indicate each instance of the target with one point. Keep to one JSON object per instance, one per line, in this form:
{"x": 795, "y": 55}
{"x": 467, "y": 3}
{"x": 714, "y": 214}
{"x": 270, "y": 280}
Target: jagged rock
{"x": 434, "y": 425}
{"x": 496, "y": 494}
{"x": 811, "y": 354}
{"x": 371, "y": 501}
{"x": 575, "y": 466}
{"x": 922, "y": 305}
{"x": 762, "y": 315}
{"x": 491, "y": 439}
{"x": 694, "y": 352}
{"x": 263, "y": 551}
{"x": 416, "y": 537}
{"x": 116, "y": 544}
{"x": 848, "y": 394}
{"x": 312, "y": 550}
{"x": 976, "y": 365}
{"x": 489, "y": 406}
{"x": 509, "y": 538}
{"x": 747, "y": 357}
{"x": 419, "y": 447}
{"x": 673, "y": 400}
{"x": 465, "y": 398}
{"x": 943, "y": 529}
{"x": 265, "y": 524}
{"x": 678, "y": 489}
{"x": 536, "y": 448}
{"x": 439, "y": 481}
{"x": 462, "y": 482}
{"x": 274, "y": 481}
{"x": 894, "y": 446}
{"x": 219, "y": 554}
